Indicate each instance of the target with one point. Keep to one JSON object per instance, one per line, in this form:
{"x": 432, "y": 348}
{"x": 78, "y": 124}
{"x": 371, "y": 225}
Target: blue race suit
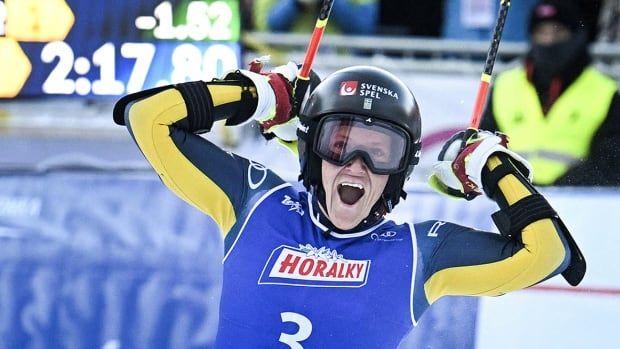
{"x": 290, "y": 282}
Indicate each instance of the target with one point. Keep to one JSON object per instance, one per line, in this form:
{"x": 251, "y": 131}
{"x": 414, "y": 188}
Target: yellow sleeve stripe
{"x": 542, "y": 254}
{"x": 510, "y": 186}
{"x": 150, "y": 119}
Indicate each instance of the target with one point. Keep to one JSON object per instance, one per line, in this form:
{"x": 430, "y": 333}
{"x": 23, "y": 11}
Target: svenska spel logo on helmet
{"x": 376, "y": 91}
{"x": 348, "y": 88}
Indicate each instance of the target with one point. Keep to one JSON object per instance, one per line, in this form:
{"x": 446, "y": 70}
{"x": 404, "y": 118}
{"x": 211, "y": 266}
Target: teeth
{"x": 354, "y": 185}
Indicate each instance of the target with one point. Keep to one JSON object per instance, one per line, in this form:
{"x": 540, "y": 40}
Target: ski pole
{"x": 576, "y": 270}
{"x": 485, "y": 78}
{"x": 303, "y": 76}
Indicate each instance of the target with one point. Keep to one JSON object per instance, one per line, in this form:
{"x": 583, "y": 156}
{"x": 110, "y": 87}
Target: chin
{"x": 346, "y": 217}
{"x": 346, "y": 220}
{"x": 345, "y": 227}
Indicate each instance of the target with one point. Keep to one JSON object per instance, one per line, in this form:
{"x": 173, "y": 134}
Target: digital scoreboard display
{"x": 113, "y": 47}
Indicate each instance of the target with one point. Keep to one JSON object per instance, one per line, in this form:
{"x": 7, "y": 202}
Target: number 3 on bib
{"x": 305, "y": 329}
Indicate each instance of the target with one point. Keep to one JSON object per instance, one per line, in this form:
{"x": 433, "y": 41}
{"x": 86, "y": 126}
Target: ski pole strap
{"x": 511, "y": 220}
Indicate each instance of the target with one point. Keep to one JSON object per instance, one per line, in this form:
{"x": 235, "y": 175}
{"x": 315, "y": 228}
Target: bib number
{"x": 305, "y": 329}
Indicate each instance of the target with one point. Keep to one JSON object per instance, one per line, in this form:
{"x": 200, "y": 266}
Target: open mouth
{"x": 350, "y": 193}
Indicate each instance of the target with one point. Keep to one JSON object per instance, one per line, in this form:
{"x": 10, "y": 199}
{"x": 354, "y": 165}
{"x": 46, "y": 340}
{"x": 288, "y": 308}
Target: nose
{"x": 357, "y": 164}
{"x": 546, "y": 38}
{"x": 549, "y": 33}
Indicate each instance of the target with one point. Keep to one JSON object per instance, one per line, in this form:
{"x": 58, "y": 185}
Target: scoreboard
{"x": 113, "y": 47}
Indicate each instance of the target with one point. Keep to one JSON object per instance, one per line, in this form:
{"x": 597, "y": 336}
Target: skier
{"x": 323, "y": 267}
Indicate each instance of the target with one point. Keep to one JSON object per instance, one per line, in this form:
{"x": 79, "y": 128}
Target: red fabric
{"x": 283, "y": 90}
{"x": 256, "y": 66}
{"x": 555, "y": 88}
{"x": 554, "y": 92}
{"x": 458, "y": 165}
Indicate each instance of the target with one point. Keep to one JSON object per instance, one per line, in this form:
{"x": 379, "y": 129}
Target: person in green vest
{"x": 559, "y": 111}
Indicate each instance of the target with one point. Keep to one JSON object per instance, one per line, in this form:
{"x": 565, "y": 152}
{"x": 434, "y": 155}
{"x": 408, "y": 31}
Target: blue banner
{"x": 94, "y": 261}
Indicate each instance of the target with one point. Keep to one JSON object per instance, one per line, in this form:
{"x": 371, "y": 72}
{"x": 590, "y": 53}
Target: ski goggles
{"x": 383, "y": 146}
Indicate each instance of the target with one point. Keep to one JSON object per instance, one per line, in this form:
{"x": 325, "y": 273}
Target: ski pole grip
{"x": 470, "y": 131}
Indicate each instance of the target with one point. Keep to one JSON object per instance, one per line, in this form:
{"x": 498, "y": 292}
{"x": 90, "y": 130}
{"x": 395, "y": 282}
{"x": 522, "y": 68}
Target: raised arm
{"x": 193, "y": 168}
{"x": 165, "y": 122}
{"x": 534, "y": 244}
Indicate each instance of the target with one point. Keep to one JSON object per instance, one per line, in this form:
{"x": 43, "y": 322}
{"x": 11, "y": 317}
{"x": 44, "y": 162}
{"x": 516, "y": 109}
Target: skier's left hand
{"x": 458, "y": 172}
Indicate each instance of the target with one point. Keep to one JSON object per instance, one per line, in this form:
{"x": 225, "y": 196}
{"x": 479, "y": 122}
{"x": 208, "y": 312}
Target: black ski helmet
{"x": 365, "y": 91}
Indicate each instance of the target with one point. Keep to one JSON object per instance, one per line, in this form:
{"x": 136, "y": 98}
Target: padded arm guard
{"x": 201, "y": 113}
{"x": 510, "y": 220}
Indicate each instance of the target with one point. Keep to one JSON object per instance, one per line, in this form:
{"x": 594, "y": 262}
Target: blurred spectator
{"x": 560, "y": 112}
{"x": 421, "y": 18}
{"x": 609, "y": 21}
{"x": 475, "y": 19}
{"x": 347, "y": 16}
{"x": 246, "y": 8}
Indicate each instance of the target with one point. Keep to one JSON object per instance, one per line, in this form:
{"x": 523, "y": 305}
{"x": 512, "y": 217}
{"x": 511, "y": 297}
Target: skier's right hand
{"x": 275, "y": 98}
